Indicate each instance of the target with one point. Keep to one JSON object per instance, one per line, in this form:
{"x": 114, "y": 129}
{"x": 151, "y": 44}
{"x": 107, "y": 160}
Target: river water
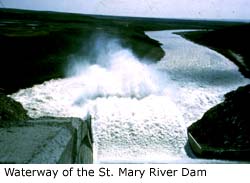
{"x": 140, "y": 111}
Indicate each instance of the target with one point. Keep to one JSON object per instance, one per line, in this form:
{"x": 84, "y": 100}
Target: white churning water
{"x": 140, "y": 111}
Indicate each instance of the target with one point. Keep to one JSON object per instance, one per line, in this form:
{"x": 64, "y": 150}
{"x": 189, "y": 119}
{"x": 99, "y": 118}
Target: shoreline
{"x": 221, "y": 42}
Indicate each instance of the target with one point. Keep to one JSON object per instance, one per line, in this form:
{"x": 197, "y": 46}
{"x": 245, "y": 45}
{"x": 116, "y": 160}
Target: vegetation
{"x": 10, "y": 110}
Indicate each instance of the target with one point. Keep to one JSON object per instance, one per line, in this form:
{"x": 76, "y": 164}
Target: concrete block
{"x": 47, "y": 140}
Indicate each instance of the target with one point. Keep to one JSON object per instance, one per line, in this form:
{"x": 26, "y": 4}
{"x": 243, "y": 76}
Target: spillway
{"x": 140, "y": 111}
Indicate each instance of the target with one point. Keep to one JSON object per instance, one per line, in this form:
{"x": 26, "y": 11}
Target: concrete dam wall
{"x": 47, "y": 140}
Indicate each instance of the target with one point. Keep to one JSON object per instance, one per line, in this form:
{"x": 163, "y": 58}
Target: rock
{"x": 223, "y": 131}
{"x": 11, "y": 110}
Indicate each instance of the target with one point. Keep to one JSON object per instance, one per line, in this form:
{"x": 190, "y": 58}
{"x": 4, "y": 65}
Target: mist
{"x": 111, "y": 70}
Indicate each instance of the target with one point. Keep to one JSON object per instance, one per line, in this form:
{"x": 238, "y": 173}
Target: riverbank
{"x": 223, "y": 131}
{"x": 232, "y": 42}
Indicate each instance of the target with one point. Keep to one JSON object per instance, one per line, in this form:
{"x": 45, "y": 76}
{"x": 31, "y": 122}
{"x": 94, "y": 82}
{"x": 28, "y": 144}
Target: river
{"x": 140, "y": 111}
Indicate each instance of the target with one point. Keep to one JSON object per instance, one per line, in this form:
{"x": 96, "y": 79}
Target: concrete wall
{"x": 47, "y": 140}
